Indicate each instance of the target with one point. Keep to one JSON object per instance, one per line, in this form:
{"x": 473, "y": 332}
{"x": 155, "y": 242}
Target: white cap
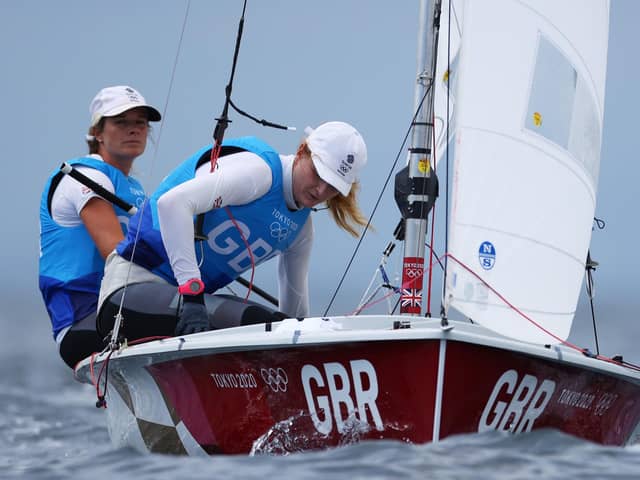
{"x": 338, "y": 153}
{"x": 112, "y": 101}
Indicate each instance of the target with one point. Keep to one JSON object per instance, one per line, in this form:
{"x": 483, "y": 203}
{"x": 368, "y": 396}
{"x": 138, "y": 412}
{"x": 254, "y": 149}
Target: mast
{"x": 416, "y": 185}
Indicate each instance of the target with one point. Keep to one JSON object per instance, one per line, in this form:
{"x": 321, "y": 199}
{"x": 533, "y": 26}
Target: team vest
{"x": 71, "y": 266}
{"x": 268, "y": 226}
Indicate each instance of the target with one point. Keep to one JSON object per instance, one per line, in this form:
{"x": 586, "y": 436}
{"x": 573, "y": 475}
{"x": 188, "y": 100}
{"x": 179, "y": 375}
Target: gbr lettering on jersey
{"x": 221, "y": 242}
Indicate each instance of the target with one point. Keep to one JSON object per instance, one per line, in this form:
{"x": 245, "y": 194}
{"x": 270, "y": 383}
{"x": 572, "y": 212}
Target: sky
{"x": 301, "y": 63}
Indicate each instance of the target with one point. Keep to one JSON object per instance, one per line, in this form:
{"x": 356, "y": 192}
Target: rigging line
{"x": 251, "y": 257}
{"x": 433, "y": 217}
{"x": 407, "y": 285}
{"x": 216, "y": 149}
{"x": 589, "y": 284}
{"x": 590, "y": 268}
{"x": 116, "y": 328}
{"x": 377, "y": 204}
{"x": 223, "y": 120}
{"x": 443, "y": 313}
{"x": 171, "y": 80}
{"x": 584, "y": 351}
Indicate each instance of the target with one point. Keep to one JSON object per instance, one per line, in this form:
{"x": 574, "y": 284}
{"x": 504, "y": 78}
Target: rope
{"x": 433, "y": 221}
{"x": 561, "y": 341}
{"x": 443, "y": 313}
{"x": 114, "y": 344}
{"x": 101, "y": 401}
{"x": 246, "y": 243}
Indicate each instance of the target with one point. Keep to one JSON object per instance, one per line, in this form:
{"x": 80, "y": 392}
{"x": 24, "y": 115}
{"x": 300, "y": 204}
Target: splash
{"x": 297, "y": 434}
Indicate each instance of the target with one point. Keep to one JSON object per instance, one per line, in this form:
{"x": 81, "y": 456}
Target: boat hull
{"x": 408, "y": 385}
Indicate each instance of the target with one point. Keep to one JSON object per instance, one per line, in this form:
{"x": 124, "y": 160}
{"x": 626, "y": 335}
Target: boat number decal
{"x": 276, "y": 378}
{"x": 526, "y": 399}
{"x": 331, "y": 395}
{"x": 234, "y": 380}
{"x": 487, "y": 255}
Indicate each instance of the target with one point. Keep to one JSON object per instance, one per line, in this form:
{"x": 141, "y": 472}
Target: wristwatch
{"x": 193, "y": 286}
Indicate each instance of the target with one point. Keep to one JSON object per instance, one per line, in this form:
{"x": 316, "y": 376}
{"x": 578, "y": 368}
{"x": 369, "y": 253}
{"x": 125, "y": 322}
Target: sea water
{"x": 51, "y": 429}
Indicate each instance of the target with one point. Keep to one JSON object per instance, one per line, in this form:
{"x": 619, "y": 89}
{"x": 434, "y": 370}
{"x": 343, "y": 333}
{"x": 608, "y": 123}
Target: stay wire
{"x": 418, "y": 109}
{"x": 433, "y": 219}
{"x": 590, "y": 268}
{"x": 377, "y": 204}
{"x": 443, "y": 312}
{"x": 171, "y": 81}
{"x": 223, "y": 120}
{"x": 118, "y": 320}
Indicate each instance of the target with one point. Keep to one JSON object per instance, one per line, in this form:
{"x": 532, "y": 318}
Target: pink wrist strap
{"x": 193, "y": 286}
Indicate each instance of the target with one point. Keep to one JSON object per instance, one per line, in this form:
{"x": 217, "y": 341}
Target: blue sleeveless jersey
{"x": 71, "y": 267}
{"x": 268, "y": 226}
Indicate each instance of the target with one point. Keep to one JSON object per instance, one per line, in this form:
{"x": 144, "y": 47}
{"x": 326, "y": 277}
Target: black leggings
{"x": 149, "y": 310}
{"x": 80, "y": 341}
{"x": 152, "y": 309}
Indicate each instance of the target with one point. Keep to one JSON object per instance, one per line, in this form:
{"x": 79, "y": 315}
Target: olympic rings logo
{"x": 278, "y": 231}
{"x": 276, "y": 378}
{"x": 413, "y": 272}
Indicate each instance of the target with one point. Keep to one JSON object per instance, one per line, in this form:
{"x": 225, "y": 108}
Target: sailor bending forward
{"x": 256, "y": 205}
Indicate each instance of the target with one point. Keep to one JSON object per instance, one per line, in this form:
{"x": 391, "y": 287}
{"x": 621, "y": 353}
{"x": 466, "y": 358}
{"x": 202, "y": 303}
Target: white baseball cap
{"x": 338, "y": 153}
{"x": 112, "y": 101}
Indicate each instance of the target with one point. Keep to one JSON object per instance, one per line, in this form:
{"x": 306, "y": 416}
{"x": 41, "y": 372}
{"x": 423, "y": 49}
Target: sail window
{"x": 562, "y": 108}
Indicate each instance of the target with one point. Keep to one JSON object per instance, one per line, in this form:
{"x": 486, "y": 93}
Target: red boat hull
{"x": 314, "y": 396}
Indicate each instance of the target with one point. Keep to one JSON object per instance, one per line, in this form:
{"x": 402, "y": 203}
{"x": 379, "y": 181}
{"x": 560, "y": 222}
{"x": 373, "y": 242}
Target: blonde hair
{"x": 345, "y": 211}
{"x": 92, "y": 142}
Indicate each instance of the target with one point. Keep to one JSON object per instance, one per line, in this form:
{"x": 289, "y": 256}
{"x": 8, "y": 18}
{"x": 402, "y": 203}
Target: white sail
{"x": 450, "y": 39}
{"x": 529, "y": 105}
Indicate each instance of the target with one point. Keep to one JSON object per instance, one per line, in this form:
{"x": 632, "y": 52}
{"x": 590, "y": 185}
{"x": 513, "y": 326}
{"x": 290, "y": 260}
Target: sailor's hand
{"x": 193, "y": 319}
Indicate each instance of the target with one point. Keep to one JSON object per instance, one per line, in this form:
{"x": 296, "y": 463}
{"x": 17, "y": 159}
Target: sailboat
{"x": 512, "y": 91}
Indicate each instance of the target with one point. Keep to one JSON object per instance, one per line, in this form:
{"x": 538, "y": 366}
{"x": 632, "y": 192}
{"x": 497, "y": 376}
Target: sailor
{"x": 78, "y": 228}
{"x": 255, "y": 205}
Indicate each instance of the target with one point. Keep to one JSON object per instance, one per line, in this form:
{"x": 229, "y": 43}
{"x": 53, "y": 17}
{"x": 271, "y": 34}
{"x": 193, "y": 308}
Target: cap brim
{"x": 154, "y": 114}
{"x": 330, "y": 176}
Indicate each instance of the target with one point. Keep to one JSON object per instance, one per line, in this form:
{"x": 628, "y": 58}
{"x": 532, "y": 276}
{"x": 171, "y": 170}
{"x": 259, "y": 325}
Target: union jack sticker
{"x": 411, "y": 297}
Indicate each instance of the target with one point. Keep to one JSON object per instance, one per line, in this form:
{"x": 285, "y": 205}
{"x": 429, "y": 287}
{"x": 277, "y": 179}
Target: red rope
{"x": 246, "y": 243}
{"x": 215, "y": 154}
{"x": 568, "y": 344}
{"x": 405, "y": 285}
{"x": 96, "y": 381}
{"x": 536, "y": 324}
